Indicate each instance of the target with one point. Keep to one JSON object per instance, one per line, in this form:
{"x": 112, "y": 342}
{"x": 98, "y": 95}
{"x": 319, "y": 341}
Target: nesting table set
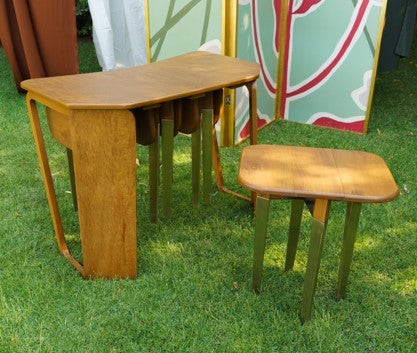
{"x": 100, "y": 117}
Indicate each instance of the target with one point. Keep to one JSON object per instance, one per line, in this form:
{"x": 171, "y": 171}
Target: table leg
{"x": 49, "y": 185}
{"x": 167, "y": 165}
{"x": 154, "y": 177}
{"x": 351, "y": 226}
{"x": 104, "y": 150}
{"x": 320, "y": 216}
{"x": 253, "y": 113}
{"x": 261, "y": 223}
{"x": 195, "y": 161}
{"x": 218, "y": 106}
{"x": 72, "y": 178}
{"x": 253, "y": 120}
{"x": 297, "y": 206}
{"x": 207, "y": 116}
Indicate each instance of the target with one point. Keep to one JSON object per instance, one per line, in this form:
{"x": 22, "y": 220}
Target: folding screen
{"x": 329, "y": 65}
{"x": 258, "y": 29}
{"x": 324, "y": 75}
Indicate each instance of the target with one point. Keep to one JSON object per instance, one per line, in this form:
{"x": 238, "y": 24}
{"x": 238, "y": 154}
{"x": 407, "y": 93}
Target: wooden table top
{"x": 290, "y": 171}
{"x": 165, "y": 80}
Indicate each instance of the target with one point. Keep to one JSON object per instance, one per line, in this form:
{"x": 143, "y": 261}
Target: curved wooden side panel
{"x": 49, "y": 186}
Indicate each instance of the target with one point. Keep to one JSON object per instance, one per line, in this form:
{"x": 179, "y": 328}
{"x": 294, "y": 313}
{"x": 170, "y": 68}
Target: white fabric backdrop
{"x": 119, "y": 32}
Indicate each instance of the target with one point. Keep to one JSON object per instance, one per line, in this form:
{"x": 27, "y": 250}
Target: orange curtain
{"x": 39, "y": 38}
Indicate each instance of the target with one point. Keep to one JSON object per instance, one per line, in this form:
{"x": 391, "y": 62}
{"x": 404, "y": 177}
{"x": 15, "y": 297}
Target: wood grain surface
{"x": 104, "y": 150}
{"x": 291, "y": 171}
{"x": 161, "y": 81}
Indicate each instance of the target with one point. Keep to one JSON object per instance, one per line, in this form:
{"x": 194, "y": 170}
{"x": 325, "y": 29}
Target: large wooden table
{"x": 90, "y": 114}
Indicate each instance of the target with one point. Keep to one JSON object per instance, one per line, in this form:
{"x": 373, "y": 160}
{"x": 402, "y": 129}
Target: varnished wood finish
{"x": 218, "y": 170}
{"x": 177, "y": 115}
{"x": 291, "y": 171}
{"x": 104, "y": 150}
{"x": 166, "y": 111}
{"x": 218, "y": 106}
{"x": 90, "y": 114}
{"x": 182, "y": 76}
{"x": 319, "y": 173}
{"x": 49, "y": 185}
{"x": 59, "y": 126}
{"x": 191, "y": 116}
{"x": 147, "y": 123}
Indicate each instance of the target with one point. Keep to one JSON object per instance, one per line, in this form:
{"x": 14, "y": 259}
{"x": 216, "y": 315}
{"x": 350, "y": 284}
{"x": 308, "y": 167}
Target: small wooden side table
{"x": 90, "y": 115}
{"x": 275, "y": 172}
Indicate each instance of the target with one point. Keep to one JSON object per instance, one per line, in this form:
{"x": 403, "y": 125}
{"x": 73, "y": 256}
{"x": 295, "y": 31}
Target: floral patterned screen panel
{"x": 330, "y": 59}
{"x": 258, "y": 27}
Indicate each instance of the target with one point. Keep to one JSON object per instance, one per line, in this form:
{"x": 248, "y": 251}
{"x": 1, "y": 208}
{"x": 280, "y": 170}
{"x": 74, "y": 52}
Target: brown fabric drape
{"x": 39, "y": 37}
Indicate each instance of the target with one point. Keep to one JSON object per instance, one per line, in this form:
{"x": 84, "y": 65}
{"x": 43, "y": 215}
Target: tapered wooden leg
{"x": 217, "y": 105}
{"x": 253, "y": 121}
{"x": 261, "y": 223}
{"x": 218, "y": 169}
{"x": 294, "y": 231}
{"x": 72, "y": 179}
{"x": 195, "y": 161}
{"x": 154, "y": 178}
{"x": 167, "y": 165}
{"x": 49, "y": 185}
{"x": 351, "y": 226}
{"x": 216, "y": 161}
{"x": 320, "y": 215}
{"x": 253, "y": 113}
{"x": 207, "y": 125}
{"x": 104, "y": 150}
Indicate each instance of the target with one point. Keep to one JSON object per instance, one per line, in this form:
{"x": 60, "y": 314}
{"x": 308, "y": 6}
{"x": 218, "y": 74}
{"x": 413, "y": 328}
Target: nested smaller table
{"x": 274, "y": 172}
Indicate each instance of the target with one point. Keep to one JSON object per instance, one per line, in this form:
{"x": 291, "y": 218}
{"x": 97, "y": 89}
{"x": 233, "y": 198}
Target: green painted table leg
{"x": 154, "y": 178}
{"x": 207, "y": 126}
{"x": 318, "y": 230}
{"x": 261, "y": 223}
{"x": 351, "y": 226}
{"x": 294, "y": 231}
{"x": 167, "y": 165}
{"x": 195, "y": 161}
{"x": 72, "y": 179}
{"x": 313, "y": 265}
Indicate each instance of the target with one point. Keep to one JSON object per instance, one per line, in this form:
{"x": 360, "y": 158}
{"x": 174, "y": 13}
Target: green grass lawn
{"x": 193, "y": 290}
